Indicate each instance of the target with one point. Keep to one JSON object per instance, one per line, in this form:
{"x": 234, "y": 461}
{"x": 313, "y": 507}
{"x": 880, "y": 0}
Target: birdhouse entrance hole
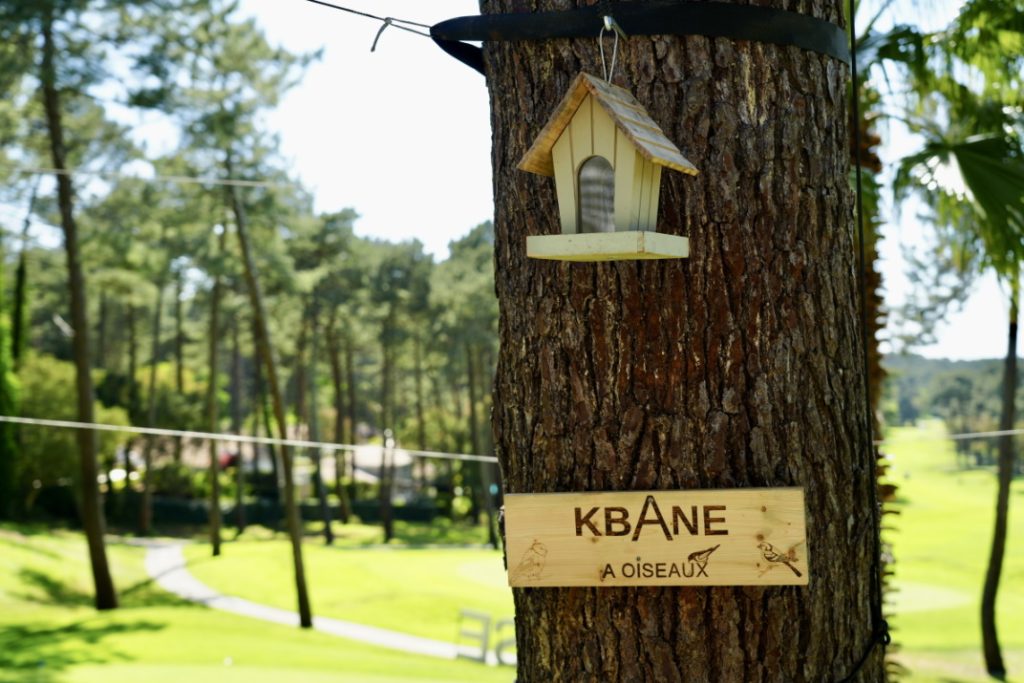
{"x": 597, "y": 196}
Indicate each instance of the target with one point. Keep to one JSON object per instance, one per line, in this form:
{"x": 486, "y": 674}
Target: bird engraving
{"x": 775, "y": 557}
{"x": 531, "y": 565}
{"x": 700, "y": 557}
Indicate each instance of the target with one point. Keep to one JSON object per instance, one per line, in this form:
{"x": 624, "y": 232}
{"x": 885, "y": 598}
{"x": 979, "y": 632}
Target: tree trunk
{"x": 386, "y": 417}
{"x": 334, "y": 354}
{"x": 350, "y": 387}
{"x": 101, "y": 332}
{"x": 1007, "y": 454}
{"x": 421, "y": 427}
{"x": 179, "y": 350}
{"x": 482, "y": 484}
{"x": 133, "y": 362}
{"x": 93, "y": 522}
{"x": 314, "y": 433}
{"x": 19, "y": 313}
{"x": 146, "y": 508}
{"x": 210, "y": 403}
{"x": 261, "y": 410}
{"x": 266, "y": 355}
{"x": 737, "y": 367}
{"x": 237, "y": 388}
{"x": 299, "y": 375}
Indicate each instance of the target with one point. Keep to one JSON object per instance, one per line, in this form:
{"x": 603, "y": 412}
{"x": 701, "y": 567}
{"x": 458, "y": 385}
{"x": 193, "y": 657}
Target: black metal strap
{"x": 660, "y": 17}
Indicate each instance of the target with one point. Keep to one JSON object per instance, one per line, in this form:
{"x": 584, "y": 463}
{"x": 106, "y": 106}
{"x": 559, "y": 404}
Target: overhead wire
{"x": 403, "y": 24}
{"x": 235, "y": 438}
{"x": 184, "y": 179}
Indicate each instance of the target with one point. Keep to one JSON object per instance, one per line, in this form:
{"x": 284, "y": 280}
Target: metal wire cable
{"x": 403, "y": 24}
{"x": 195, "y": 180}
{"x": 235, "y": 438}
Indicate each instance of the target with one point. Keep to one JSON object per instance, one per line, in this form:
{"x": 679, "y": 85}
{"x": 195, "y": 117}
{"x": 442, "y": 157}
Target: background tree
{"x": 8, "y": 406}
{"x": 984, "y": 214}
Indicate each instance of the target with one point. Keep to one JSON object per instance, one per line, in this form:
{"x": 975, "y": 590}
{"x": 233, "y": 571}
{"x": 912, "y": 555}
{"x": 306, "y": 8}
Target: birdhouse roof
{"x": 628, "y": 114}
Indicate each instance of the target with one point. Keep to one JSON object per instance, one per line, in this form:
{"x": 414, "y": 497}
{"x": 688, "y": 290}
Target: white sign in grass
{"x": 750, "y": 537}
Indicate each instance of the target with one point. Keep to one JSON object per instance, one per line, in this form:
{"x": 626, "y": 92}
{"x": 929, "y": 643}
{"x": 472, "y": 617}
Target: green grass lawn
{"x": 49, "y": 632}
{"x": 941, "y": 540}
{"x": 417, "y": 590}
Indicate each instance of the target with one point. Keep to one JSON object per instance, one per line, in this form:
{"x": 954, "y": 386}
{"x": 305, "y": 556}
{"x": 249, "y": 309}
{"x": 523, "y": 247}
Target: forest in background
{"x": 964, "y": 394}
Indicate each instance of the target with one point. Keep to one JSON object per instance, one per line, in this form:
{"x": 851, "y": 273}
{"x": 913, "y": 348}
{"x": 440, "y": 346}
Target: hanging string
{"x": 609, "y": 25}
{"x": 403, "y": 24}
{"x": 879, "y": 627}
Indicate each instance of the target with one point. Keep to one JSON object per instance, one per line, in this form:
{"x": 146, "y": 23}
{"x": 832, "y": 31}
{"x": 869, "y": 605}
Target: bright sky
{"x": 403, "y": 136}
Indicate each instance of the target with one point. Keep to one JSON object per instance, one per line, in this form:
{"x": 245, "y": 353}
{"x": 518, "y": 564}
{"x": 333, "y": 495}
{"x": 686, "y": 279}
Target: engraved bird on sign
{"x": 776, "y": 558}
{"x": 700, "y": 558}
{"x": 531, "y": 566}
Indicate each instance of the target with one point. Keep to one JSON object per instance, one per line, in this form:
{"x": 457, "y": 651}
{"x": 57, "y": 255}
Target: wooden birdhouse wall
{"x": 637, "y": 181}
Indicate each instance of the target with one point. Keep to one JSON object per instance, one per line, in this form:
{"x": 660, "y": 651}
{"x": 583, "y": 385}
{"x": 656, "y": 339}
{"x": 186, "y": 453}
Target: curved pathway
{"x": 165, "y": 564}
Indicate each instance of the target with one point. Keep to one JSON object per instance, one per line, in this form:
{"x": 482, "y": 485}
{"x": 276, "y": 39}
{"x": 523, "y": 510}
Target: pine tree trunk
{"x": 990, "y": 638}
{"x": 19, "y": 312}
{"x": 737, "y": 367}
{"x": 146, "y": 507}
{"x": 237, "y": 389}
{"x": 334, "y": 354}
{"x": 133, "y": 361}
{"x": 210, "y": 403}
{"x": 314, "y": 433}
{"x": 267, "y": 357}
{"x": 350, "y": 387}
{"x": 263, "y": 412}
{"x": 421, "y": 427}
{"x": 179, "y": 350}
{"x": 93, "y": 522}
{"x": 482, "y": 486}
{"x": 386, "y": 417}
{"x": 101, "y": 332}
{"x": 292, "y": 517}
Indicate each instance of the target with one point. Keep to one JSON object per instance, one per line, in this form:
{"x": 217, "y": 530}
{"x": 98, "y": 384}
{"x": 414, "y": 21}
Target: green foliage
{"x": 965, "y": 395}
{"x": 48, "y": 456}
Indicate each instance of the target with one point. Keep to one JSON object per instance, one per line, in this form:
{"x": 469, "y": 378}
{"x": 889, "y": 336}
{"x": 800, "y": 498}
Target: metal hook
{"x": 609, "y": 25}
{"x": 387, "y": 22}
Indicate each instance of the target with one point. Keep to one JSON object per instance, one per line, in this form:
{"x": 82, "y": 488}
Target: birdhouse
{"x": 606, "y": 155}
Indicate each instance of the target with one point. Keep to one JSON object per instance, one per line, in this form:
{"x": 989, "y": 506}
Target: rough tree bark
{"x": 738, "y": 367}
{"x": 93, "y": 522}
{"x": 990, "y": 637}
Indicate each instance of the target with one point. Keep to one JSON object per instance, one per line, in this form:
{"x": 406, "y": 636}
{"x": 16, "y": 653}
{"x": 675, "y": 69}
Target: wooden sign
{"x": 734, "y": 537}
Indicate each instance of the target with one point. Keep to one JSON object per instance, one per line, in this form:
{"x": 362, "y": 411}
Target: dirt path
{"x": 165, "y": 563}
